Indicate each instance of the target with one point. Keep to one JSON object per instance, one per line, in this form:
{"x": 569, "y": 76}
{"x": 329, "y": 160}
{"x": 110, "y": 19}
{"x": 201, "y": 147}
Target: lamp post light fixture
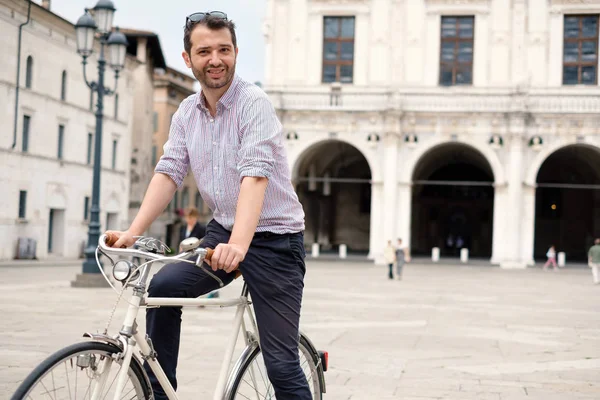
{"x": 98, "y": 24}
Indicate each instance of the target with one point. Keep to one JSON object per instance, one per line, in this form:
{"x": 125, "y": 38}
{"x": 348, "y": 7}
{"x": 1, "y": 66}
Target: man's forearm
{"x": 159, "y": 193}
{"x": 249, "y": 207}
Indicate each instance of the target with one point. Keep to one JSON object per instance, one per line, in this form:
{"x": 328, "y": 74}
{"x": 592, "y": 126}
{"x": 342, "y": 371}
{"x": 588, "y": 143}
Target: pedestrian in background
{"x": 389, "y": 253}
{"x": 402, "y": 257}
{"x": 551, "y": 254}
{"x": 594, "y": 260}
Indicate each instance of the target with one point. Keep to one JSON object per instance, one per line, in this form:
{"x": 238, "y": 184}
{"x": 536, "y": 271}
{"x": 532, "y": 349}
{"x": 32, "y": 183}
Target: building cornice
{"x": 457, "y": 7}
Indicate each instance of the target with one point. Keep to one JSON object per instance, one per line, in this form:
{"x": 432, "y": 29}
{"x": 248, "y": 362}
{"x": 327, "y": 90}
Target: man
{"x": 594, "y": 260}
{"x": 402, "y": 257}
{"x": 230, "y": 137}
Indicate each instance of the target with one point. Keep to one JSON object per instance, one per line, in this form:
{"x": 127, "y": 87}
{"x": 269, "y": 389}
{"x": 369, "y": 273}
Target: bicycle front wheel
{"x": 251, "y": 380}
{"x": 84, "y": 370}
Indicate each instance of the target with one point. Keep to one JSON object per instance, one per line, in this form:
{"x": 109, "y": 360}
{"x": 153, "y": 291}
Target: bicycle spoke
{"x": 68, "y": 385}
{"x": 112, "y": 383}
{"x": 46, "y": 390}
{"x": 125, "y": 395}
{"x": 53, "y": 384}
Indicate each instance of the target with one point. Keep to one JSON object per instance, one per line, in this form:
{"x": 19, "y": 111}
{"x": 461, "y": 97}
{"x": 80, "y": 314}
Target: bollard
{"x": 464, "y": 255}
{"x": 561, "y": 259}
{"x": 315, "y": 250}
{"x": 435, "y": 254}
{"x": 343, "y": 251}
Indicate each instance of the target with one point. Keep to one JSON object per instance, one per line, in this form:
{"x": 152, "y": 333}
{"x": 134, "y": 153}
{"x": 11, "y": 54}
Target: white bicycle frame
{"x": 130, "y": 335}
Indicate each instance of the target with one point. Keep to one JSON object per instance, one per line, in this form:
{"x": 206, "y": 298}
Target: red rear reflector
{"x": 324, "y": 359}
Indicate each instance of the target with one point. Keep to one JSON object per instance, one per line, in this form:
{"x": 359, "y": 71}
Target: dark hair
{"x": 214, "y": 24}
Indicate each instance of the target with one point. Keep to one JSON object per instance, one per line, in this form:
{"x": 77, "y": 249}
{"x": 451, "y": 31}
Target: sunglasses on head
{"x": 200, "y": 16}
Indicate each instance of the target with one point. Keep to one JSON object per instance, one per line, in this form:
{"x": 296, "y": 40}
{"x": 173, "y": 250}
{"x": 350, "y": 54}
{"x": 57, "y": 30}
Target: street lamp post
{"x": 87, "y": 28}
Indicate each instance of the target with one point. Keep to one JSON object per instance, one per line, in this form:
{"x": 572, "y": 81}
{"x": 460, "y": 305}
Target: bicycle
{"x": 112, "y": 363}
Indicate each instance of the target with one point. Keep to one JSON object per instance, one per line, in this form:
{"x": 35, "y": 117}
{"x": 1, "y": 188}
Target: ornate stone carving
{"x": 411, "y": 140}
{"x": 536, "y": 142}
{"x": 496, "y": 141}
{"x": 373, "y": 138}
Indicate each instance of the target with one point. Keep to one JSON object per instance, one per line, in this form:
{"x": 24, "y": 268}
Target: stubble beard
{"x": 206, "y": 82}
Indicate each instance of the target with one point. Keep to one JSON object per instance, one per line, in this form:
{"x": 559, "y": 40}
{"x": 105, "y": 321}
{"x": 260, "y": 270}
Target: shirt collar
{"x": 226, "y": 99}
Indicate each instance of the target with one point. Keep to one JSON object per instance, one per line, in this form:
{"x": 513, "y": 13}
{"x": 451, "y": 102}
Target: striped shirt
{"x": 245, "y": 138}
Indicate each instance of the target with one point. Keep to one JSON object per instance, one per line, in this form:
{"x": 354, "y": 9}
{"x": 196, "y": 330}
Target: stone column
{"x": 297, "y": 41}
{"x": 481, "y": 46}
{"x": 376, "y": 243}
{"x": 390, "y": 185}
{"x": 519, "y": 47}
{"x": 432, "y": 49}
{"x": 555, "y": 48}
{"x": 403, "y": 218}
{"x": 512, "y": 213}
{"x": 528, "y": 225}
{"x": 499, "y": 228}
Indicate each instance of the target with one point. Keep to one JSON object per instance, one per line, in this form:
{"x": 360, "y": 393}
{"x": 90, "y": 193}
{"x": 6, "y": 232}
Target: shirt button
{"x": 215, "y": 168}
{"x": 215, "y": 143}
{"x": 212, "y": 120}
{"x": 217, "y": 192}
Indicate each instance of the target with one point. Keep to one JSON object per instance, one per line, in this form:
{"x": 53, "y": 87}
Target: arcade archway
{"x": 333, "y": 182}
{"x": 452, "y": 202}
{"x": 567, "y": 210}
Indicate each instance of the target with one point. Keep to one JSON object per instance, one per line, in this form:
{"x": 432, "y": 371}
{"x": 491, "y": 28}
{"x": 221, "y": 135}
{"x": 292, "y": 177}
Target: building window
{"x": 26, "y": 123}
{"x": 456, "y": 51}
{"x": 86, "y": 208}
{"x": 114, "y": 155}
{"x": 338, "y": 49}
{"x": 29, "y": 72}
{"x": 22, "y": 203}
{"x": 61, "y": 140}
{"x": 63, "y": 87}
{"x": 155, "y": 121}
{"x": 116, "y": 106}
{"x": 580, "y": 50}
{"x": 89, "y": 148}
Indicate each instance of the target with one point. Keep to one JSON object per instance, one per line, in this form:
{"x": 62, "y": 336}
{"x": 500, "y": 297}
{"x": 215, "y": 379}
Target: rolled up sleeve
{"x": 261, "y": 134}
{"x": 175, "y": 160}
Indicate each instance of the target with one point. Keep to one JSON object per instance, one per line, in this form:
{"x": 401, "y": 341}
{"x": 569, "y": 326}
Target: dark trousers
{"x": 390, "y": 273}
{"x": 274, "y": 271}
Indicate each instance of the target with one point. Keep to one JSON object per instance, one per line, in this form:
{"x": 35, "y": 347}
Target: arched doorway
{"x": 333, "y": 182}
{"x": 452, "y": 202}
{"x": 567, "y": 210}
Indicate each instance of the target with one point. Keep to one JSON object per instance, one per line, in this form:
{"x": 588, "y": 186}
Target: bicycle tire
{"x": 303, "y": 346}
{"x": 62, "y": 355}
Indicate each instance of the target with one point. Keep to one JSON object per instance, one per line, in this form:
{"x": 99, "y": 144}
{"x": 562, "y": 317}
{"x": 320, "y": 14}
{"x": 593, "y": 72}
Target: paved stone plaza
{"x": 443, "y": 332}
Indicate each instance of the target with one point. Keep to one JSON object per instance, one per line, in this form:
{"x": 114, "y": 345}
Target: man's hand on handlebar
{"x": 124, "y": 239}
{"x": 227, "y": 257}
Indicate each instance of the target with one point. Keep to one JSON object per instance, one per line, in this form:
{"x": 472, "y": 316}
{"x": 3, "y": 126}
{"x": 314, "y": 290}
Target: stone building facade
{"x": 47, "y": 147}
{"x": 450, "y": 124}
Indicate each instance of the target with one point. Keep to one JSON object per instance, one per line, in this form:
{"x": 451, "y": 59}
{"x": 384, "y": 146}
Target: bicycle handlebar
{"x": 107, "y": 240}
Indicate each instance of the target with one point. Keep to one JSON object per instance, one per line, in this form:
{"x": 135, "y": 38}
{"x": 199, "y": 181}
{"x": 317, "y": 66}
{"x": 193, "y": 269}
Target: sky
{"x": 166, "y": 19}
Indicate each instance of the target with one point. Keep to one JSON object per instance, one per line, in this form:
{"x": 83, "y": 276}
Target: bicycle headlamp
{"x": 122, "y": 270}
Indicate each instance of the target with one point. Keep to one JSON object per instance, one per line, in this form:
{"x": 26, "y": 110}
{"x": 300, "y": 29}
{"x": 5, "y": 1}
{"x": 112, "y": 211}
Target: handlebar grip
{"x": 209, "y": 254}
{"x": 111, "y": 239}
